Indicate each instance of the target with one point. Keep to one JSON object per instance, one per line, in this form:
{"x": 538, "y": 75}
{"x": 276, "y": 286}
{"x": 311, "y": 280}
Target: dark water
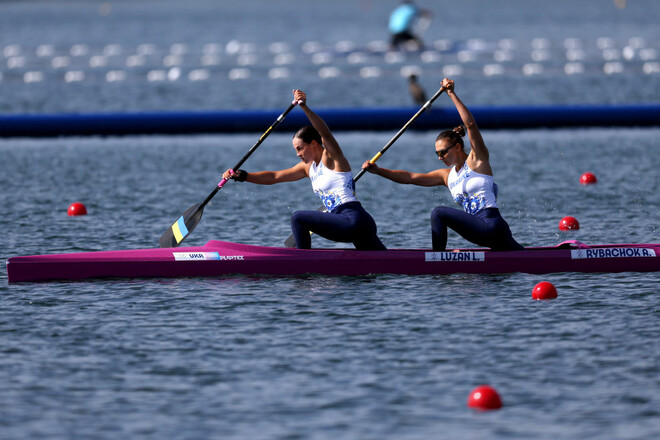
{"x": 322, "y": 357}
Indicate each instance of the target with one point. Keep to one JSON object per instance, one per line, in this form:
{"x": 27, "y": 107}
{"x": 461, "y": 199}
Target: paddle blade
{"x": 290, "y": 242}
{"x": 182, "y": 227}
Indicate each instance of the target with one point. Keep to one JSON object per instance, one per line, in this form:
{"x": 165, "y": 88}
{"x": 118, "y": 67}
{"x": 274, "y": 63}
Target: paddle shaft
{"x": 426, "y": 106}
{"x": 277, "y": 122}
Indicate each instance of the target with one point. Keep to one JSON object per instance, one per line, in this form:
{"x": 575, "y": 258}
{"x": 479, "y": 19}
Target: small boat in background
{"x": 220, "y": 258}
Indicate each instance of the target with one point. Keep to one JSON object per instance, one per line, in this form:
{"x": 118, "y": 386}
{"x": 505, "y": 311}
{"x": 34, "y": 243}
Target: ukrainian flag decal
{"x": 179, "y": 230}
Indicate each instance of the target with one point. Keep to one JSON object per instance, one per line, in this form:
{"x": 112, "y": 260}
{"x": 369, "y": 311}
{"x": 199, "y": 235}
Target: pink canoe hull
{"x": 218, "y": 258}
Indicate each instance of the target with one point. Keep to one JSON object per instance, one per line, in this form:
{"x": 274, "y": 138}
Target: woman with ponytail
{"x": 323, "y": 161}
{"x": 470, "y": 181}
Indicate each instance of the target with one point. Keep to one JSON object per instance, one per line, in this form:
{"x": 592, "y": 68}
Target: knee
{"x": 439, "y": 213}
{"x": 296, "y": 217}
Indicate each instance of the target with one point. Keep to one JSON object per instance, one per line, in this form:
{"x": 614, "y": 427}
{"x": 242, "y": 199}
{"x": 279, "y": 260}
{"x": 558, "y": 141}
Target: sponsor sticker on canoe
{"x": 612, "y": 253}
{"x": 455, "y": 256}
{"x": 204, "y": 256}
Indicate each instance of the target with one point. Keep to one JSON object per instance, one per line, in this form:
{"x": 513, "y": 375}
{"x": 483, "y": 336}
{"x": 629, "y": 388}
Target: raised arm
{"x": 433, "y": 178}
{"x": 334, "y": 156}
{"x": 478, "y": 146}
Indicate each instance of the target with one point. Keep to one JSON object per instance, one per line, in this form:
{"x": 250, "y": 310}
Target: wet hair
{"x": 454, "y": 136}
{"x": 308, "y": 134}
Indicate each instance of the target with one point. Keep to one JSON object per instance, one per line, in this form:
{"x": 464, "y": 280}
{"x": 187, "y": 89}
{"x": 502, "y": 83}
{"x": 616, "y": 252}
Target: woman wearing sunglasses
{"x": 470, "y": 181}
{"x": 323, "y": 161}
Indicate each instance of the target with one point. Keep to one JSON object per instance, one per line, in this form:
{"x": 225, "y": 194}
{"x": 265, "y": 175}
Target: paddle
{"x": 291, "y": 241}
{"x": 185, "y": 224}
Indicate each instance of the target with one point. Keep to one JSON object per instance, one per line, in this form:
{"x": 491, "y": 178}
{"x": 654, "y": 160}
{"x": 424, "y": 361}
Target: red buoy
{"x": 484, "y": 397}
{"x": 588, "y": 178}
{"x": 544, "y": 290}
{"x": 77, "y": 209}
{"x": 569, "y": 224}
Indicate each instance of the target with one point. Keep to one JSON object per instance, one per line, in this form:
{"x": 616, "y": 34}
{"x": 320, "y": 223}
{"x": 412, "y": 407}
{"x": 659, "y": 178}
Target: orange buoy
{"x": 569, "y": 224}
{"x": 544, "y": 290}
{"x": 484, "y": 397}
{"x": 77, "y": 209}
{"x": 588, "y": 178}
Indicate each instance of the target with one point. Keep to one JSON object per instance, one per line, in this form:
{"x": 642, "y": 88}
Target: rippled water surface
{"x": 322, "y": 357}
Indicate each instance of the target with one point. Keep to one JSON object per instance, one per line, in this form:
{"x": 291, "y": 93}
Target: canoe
{"x": 220, "y": 258}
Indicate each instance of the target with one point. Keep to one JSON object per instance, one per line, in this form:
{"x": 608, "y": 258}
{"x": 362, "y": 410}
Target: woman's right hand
{"x": 448, "y": 84}
{"x": 370, "y": 166}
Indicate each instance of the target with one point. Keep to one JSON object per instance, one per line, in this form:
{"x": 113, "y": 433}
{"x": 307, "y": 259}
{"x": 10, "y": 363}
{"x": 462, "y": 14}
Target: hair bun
{"x": 460, "y": 130}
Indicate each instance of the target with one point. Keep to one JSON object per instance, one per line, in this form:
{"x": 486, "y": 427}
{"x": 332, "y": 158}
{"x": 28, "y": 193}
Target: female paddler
{"x": 322, "y": 160}
{"x": 470, "y": 181}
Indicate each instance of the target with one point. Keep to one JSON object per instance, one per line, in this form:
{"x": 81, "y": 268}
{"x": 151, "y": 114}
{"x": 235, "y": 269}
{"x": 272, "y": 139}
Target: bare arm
{"x": 478, "y": 150}
{"x": 433, "y": 178}
{"x": 335, "y": 159}
{"x": 297, "y": 172}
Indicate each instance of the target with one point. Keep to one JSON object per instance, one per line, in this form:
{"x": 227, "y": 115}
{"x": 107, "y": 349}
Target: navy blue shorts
{"x": 348, "y": 223}
{"x": 486, "y": 228}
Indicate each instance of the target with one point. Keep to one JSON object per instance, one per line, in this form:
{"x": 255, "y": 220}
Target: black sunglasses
{"x": 443, "y": 153}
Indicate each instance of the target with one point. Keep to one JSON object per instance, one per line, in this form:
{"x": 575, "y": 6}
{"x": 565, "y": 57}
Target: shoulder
{"x": 302, "y": 167}
{"x": 442, "y": 174}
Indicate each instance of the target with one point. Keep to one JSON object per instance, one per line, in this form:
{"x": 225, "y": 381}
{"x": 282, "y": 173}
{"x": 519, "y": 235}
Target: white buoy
{"x": 135, "y": 61}
{"x": 284, "y": 58}
{"x": 79, "y": 50}
{"x": 502, "y": 56}
{"x": 329, "y": 72}
{"x": 530, "y": 69}
{"x": 199, "y": 75}
{"x": 321, "y": 58}
{"x": 156, "y": 75}
{"x": 174, "y": 74}
{"x": 74, "y": 76}
{"x": 33, "y": 77}
{"x": 466, "y": 56}
{"x": 575, "y": 55}
{"x": 98, "y": 61}
{"x": 612, "y": 68}
{"x": 13, "y": 50}
{"x": 573, "y": 68}
{"x": 45, "y": 50}
{"x": 648, "y": 54}
{"x": 61, "y": 61}
{"x": 394, "y": 57}
{"x": 115, "y": 76}
{"x": 16, "y": 62}
{"x": 172, "y": 60}
{"x": 356, "y": 58}
{"x": 210, "y": 60}
{"x": 430, "y": 56}
{"x": 493, "y": 69}
{"x": 452, "y": 70}
{"x": 651, "y": 68}
{"x": 279, "y": 73}
{"x": 146, "y": 49}
{"x": 112, "y": 50}
{"x": 236, "y": 74}
{"x": 311, "y": 47}
{"x": 370, "y": 72}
